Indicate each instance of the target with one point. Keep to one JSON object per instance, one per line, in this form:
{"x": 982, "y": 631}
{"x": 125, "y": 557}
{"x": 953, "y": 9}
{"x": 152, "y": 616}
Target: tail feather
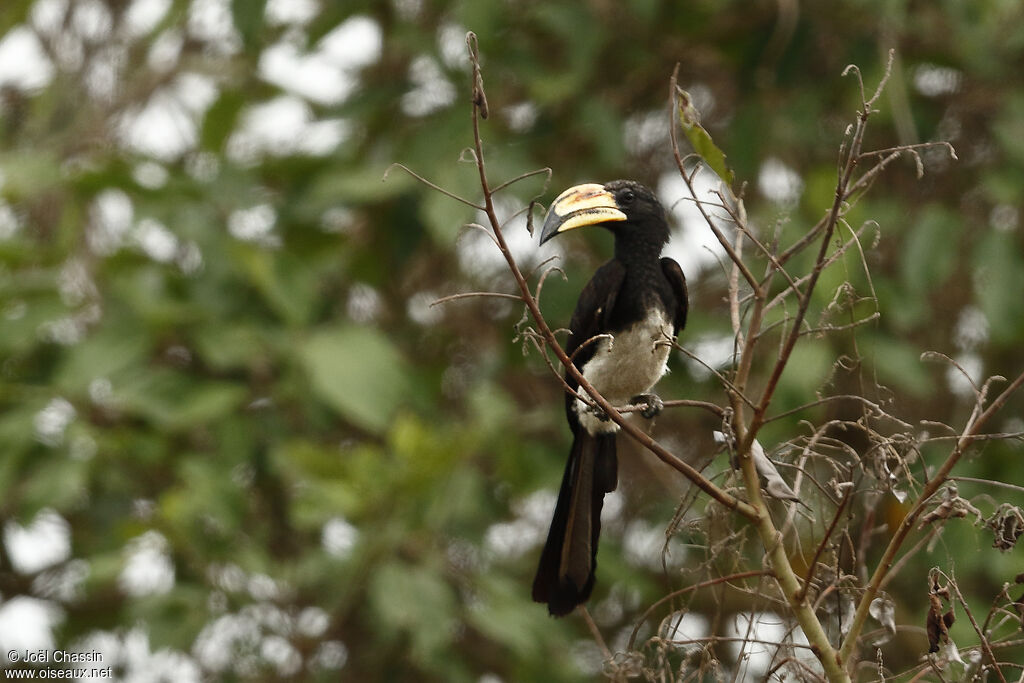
{"x": 565, "y": 575}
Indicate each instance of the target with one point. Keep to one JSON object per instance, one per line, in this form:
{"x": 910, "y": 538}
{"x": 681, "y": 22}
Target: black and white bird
{"x": 620, "y": 333}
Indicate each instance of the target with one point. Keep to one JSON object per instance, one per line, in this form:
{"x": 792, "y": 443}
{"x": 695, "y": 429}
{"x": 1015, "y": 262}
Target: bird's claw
{"x": 652, "y": 404}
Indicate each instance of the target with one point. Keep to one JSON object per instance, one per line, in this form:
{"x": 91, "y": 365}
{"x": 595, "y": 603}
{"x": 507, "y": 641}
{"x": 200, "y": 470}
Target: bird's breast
{"x": 629, "y": 363}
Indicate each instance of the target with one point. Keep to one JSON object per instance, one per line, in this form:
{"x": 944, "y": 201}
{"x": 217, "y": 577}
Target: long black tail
{"x": 565, "y": 576}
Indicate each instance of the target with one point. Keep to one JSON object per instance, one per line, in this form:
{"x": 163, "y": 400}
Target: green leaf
{"x": 931, "y": 251}
{"x": 220, "y": 120}
{"x": 359, "y": 373}
{"x": 700, "y": 139}
{"x": 248, "y": 16}
{"x": 416, "y": 600}
{"x": 175, "y": 400}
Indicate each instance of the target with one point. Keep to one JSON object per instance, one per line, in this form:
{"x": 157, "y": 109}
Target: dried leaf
{"x": 1007, "y": 524}
{"x": 849, "y": 607}
{"x": 952, "y": 506}
{"x": 883, "y": 610}
{"x": 938, "y": 622}
{"x": 935, "y": 625}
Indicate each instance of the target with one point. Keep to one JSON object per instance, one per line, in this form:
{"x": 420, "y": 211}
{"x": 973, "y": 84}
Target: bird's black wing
{"x": 591, "y": 317}
{"x": 674, "y": 275}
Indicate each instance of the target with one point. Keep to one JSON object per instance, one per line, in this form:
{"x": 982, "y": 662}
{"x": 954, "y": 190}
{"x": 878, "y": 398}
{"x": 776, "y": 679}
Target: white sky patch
{"x": 256, "y": 635}
{"x": 281, "y": 127}
{"x": 933, "y": 80}
{"x": 480, "y": 257}
{"x": 165, "y": 50}
{"x": 166, "y": 126}
{"x": 91, "y": 20}
{"x": 693, "y": 244}
{"x": 644, "y": 543}
{"x": 685, "y": 626}
{"x": 431, "y": 89}
{"x": 263, "y": 587}
{"x": 210, "y": 21}
{"x": 716, "y": 352}
{"x": 219, "y": 643}
{"x": 110, "y": 220}
{"x": 52, "y": 421}
{"x": 130, "y": 654}
{"x": 255, "y": 224}
{"x": 451, "y": 44}
{"x": 338, "y": 537}
{"x": 142, "y": 16}
{"x": 779, "y": 183}
{"x": 755, "y": 658}
{"x": 420, "y": 309}
{"x": 407, "y": 9}
{"x": 312, "y": 622}
{"x": 23, "y": 62}
{"x": 310, "y": 75}
{"x": 1004, "y": 217}
{"x": 330, "y": 655}
{"x": 43, "y": 543}
{"x": 27, "y": 623}
{"x": 282, "y": 654}
{"x": 150, "y": 175}
{"x": 974, "y": 367}
{"x": 971, "y": 329}
{"x": 148, "y": 568}
{"x": 364, "y": 303}
{"x": 47, "y": 16}
{"x": 521, "y": 116}
{"x": 104, "y": 72}
{"x": 646, "y": 132}
{"x": 527, "y": 531}
{"x": 328, "y": 73}
{"x": 158, "y": 243}
{"x": 355, "y": 43}
{"x": 9, "y": 223}
{"x": 290, "y": 12}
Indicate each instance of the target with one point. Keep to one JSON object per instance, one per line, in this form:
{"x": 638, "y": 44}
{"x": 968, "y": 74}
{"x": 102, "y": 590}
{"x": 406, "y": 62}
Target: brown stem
{"x": 970, "y": 434}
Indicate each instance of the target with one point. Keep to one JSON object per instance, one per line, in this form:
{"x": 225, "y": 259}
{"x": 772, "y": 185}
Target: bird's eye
{"x": 627, "y": 197}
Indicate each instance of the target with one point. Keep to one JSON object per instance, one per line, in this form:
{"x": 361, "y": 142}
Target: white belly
{"x": 625, "y": 366}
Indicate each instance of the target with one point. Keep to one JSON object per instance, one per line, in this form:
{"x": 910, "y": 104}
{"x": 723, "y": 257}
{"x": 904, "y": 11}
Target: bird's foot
{"x": 652, "y": 404}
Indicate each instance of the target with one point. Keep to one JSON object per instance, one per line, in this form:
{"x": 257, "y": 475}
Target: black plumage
{"x": 639, "y": 298}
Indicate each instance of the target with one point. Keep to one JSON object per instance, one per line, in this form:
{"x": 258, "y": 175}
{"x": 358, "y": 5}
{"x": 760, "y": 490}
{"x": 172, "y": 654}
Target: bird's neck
{"x": 638, "y": 249}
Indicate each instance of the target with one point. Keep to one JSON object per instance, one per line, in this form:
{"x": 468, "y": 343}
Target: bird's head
{"x": 625, "y": 207}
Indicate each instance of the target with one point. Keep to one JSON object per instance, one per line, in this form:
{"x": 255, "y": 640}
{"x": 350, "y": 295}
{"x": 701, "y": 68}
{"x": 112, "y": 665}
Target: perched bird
{"x": 619, "y": 337}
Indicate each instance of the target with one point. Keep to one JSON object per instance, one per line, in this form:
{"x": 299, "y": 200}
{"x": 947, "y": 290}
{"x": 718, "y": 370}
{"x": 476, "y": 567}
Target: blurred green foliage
{"x": 232, "y": 344}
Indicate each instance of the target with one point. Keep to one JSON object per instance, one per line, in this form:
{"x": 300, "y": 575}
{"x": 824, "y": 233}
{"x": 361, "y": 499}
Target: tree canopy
{"x": 239, "y": 440}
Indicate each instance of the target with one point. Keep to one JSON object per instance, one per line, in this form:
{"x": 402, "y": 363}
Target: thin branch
{"x": 478, "y": 110}
{"x": 824, "y": 542}
{"x": 524, "y": 176}
{"x": 974, "y": 426}
{"x": 982, "y": 638}
{"x": 683, "y": 591}
{"x": 431, "y": 185}
{"x": 467, "y": 295}
{"x": 688, "y": 179}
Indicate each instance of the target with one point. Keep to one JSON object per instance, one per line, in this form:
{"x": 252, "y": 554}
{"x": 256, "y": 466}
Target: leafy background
{"x": 237, "y": 442}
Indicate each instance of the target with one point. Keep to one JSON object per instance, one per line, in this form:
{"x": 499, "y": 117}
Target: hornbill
{"x": 619, "y": 339}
